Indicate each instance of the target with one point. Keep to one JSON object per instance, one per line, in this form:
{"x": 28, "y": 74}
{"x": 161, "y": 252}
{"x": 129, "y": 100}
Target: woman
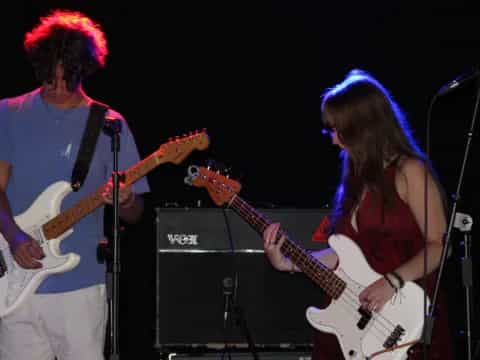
{"x": 379, "y": 204}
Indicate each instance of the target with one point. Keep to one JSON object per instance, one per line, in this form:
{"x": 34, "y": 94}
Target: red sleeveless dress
{"x": 387, "y": 241}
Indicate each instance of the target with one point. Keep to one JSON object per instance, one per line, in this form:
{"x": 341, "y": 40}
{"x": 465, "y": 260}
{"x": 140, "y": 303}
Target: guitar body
{"x": 17, "y": 283}
{"x": 360, "y": 336}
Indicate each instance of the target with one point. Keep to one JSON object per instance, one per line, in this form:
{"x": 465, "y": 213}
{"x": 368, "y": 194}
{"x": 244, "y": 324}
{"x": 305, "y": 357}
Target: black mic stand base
{"x": 241, "y": 321}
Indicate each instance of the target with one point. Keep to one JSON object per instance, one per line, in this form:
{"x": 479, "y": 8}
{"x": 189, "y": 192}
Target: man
{"x": 40, "y": 135}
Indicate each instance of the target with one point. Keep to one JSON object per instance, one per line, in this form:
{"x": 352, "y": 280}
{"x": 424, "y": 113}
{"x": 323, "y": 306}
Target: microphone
{"x": 112, "y": 125}
{"x": 227, "y": 293}
{"x": 459, "y": 81}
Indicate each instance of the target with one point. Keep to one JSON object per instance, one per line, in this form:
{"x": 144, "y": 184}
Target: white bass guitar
{"x": 384, "y": 335}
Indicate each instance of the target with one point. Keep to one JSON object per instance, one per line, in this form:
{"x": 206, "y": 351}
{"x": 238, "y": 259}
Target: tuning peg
{"x": 211, "y": 164}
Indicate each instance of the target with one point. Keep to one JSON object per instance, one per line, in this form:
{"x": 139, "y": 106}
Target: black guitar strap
{"x": 95, "y": 121}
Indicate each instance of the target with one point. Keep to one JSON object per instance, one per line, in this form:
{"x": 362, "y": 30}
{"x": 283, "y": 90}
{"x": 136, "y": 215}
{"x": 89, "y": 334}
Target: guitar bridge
{"x": 394, "y": 337}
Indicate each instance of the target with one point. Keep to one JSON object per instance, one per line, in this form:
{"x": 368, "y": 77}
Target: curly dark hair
{"x": 69, "y": 38}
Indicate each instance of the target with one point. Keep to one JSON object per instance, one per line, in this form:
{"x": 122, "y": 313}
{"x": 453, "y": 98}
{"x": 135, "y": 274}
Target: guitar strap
{"x": 95, "y": 121}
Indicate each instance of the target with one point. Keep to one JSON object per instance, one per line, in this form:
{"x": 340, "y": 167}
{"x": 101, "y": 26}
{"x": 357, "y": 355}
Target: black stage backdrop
{"x": 252, "y": 74}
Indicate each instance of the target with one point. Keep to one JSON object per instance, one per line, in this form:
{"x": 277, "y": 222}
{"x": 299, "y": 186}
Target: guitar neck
{"x": 65, "y": 220}
{"x": 314, "y": 269}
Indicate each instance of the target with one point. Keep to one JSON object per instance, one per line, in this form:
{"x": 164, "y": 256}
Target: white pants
{"x": 68, "y": 326}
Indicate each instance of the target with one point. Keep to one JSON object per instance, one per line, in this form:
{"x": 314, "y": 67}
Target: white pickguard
{"x": 18, "y": 283}
{"x": 342, "y": 315}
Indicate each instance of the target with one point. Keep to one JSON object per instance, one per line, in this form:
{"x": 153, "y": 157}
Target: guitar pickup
{"x": 364, "y": 320}
{"x": 3, "y": 265}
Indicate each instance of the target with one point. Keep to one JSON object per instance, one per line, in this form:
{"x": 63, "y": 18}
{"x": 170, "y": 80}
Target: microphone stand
{"x": 429, "y": 321}
{"x": 112, "y": 128}
{"x": 242, "y": 323}
{"x": 231, "y": 300}
{"x": 240, "y": 320}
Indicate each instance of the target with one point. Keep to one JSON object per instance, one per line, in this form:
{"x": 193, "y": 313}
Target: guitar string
{"x": 379, "y": 335}
{"x": 349, "y": 293}
{"x": 352, "y": 311}
{"x": 355, "y": 303}
{"x": 382, "y": 329}
{"x": 244, "y": 210}
{"x": 351, "y": 305}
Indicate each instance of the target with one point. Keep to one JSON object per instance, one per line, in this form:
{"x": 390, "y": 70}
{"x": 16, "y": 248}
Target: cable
{"x": 423, "y": 280}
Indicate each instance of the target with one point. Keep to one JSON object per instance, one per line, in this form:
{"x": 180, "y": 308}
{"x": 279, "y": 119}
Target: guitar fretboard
{"x": 65, "y": 220}
{"x": 313, "y": 268}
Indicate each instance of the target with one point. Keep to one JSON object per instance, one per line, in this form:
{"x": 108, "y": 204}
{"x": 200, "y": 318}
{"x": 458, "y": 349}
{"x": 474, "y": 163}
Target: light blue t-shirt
{"x": 41, "y": 142}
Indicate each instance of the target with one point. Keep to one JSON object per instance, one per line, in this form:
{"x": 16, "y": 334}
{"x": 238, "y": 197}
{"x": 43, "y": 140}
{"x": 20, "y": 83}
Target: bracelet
{"x": 400, "y": 280}
{"x": 19, "y": 239}
{"x": 390, "y": 282}
{"x": 129, "y": 202}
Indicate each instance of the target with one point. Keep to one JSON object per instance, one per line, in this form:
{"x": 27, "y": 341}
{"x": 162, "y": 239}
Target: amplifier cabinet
{"x": 198, "y": 250}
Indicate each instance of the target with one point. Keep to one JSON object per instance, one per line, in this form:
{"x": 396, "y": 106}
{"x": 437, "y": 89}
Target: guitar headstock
{"x": 178, "y": 148}
{"x": 220, "y": 188}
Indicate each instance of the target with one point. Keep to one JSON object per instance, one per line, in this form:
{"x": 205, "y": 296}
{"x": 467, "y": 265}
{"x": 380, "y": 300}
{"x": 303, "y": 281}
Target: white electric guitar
{"x": 44, "y": 222}
{"x": 384, "y": 335}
